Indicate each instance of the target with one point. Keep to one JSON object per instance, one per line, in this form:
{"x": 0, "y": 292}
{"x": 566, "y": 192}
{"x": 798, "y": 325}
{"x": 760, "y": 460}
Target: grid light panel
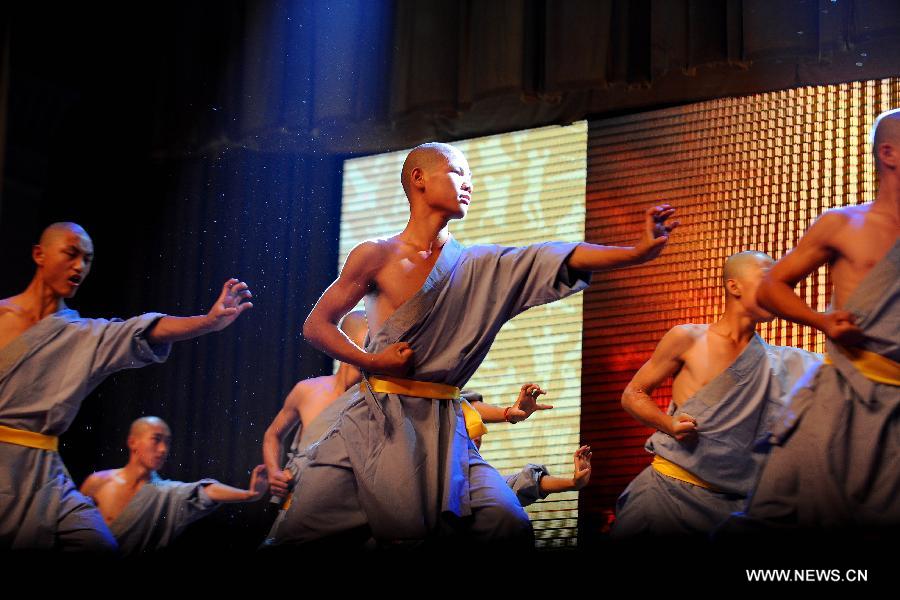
{"x": 744, "y": 173}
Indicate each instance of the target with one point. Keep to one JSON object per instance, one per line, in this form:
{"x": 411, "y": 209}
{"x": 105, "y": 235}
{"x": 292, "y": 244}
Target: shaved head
{"x": 355, "y": 326}
{"x": 425, "y": 156}
{"x": 55, "y": 231}
{"x": 737, "y": 265}
{"x": 886, "y": 130}
{"x": 141, "y": 425}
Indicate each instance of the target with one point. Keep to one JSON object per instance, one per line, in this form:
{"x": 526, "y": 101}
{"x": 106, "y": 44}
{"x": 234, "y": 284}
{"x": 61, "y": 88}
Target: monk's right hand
{"x": 839, "y": 326}
{"x": 396, "y": 359}
{"x": 280, "y": 483}
{"x": 683, "y": 427}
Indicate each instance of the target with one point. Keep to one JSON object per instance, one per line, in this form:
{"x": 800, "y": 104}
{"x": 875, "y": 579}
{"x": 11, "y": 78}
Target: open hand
{"x": 526, "y": 404}
{"x": 582, "y": 473}
{"x": 656, "y": 232}
{"x": 258, "y": 482}
{"x": 233, "y": 300}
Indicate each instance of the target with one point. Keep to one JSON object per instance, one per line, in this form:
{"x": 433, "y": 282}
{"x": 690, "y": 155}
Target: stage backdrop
{"x": 745, "y": 173}
{"x": 528, "y": 186}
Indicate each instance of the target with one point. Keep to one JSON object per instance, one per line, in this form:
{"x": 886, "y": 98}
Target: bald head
{"x": 355, "y": 326}
{"x": 739, "y": 266}
{"x": 886, "y": 130}
{"x": 425, "y": 156}
{"x": 144, "y": 424}
{"x": 55, "y": 232}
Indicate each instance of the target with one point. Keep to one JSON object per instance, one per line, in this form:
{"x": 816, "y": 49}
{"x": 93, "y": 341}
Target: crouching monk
{"x": 50, "y": 359}
{"x": 727, "y": 383}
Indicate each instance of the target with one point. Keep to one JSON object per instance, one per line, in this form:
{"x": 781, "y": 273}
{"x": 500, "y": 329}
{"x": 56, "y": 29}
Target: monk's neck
{"x": 38, "y": 300}
{"x": 426, "y": 231}
{"x": 736, "y": 325}
{"x": 887, "y": 201}
{"x": 135, "y": 474}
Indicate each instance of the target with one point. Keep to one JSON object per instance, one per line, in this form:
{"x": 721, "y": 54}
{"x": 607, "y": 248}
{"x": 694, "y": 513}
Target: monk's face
{"x": 64, "y": 262}
{"x": 150, "y": 446}
{"x": 751, "y": 276}
{"x": 448, "y": 185}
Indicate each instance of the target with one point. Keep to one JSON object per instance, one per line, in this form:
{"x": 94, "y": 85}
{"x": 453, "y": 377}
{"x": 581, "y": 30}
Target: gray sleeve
{"x": 529, "y": 276}
{"x": 527, "y": 483}
{"x": 123, "y": 344}
{"x": 193, "y": 503}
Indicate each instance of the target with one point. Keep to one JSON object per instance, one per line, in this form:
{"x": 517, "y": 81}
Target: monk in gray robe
{"x": 397, "y": 464}
{"x": 727, "y": 381}
{"x": 50, "y": 359}
{"x": 833, "y": 467}
{"x": 145, "y": 513}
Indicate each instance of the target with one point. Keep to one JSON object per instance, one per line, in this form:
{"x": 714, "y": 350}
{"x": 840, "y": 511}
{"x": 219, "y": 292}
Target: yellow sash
{"x": 425, "y": 389}
{"x": 29, "y": 439}
{"x": 874, "y": 366}
{"x": 670, "y": 469}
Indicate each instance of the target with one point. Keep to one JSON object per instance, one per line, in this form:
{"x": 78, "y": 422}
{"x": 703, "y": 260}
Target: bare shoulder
{"x": 307, "y": 388}
{"x": 8, "y": 306}
{"x": 97, "y": 480}
{"x": 680, "y": 339}
{"x": 835, "y": 218}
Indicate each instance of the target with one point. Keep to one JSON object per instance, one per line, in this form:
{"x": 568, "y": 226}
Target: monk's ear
{"x": 417, "y": 178}
{"x": 733, "y": 287}
{"x": 887, "y": 155}
{"x": 37, "y": 254}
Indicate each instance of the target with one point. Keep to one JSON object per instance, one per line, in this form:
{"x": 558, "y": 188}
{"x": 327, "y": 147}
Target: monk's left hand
{"x": 234, "y": 299}
{"x": 526, "y": 404}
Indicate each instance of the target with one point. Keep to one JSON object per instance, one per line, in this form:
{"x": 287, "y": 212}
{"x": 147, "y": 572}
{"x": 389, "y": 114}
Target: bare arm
{"x": 273, "y": 440}
{"x": 665, "y": 362}
{"x": 592, "y": 257}
{"x": 776, "y": 292}
{"x": 581, "y": 475}
{"x": 219, "y": 492}
{"x": 321, "y": 326}
{"x": 525, "y": 406}
{"x": 229, "y": 305}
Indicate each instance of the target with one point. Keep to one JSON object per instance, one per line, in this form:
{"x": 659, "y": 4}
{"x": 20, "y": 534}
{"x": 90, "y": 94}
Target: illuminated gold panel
{"x": 528, "y": 186}
{"x": 744, "y": 173}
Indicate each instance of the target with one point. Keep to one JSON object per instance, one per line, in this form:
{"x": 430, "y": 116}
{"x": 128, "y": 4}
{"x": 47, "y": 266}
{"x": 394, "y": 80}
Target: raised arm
{"x": 665, "y": 362}
{"x": 776, "y": 292}
{"x": 321, "y": 326}
{"x": 219, "y": 492}
{"x": 593, "y": 257}
{"x": 273, "y": 442}
{"x": 233, "y": 300}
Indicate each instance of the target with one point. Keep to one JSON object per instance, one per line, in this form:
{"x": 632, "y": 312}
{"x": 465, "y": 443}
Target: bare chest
{"x": 112, "y": 499}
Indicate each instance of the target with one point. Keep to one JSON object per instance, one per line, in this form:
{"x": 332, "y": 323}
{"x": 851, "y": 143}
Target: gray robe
{"x": 159, "y": 512}
{"x": 526, "y": 484}
{"x": 733, "y": 411}
{"x": 404, "y": 467}
{"x": 45, "y": 373}
{"x": 837, "y": 445}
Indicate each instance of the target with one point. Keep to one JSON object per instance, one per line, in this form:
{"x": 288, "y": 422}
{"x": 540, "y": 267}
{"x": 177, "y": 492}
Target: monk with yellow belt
{"x": 50, "y": 359}
{"x": 834, "y": 466}
{"x": 726, "y": 382}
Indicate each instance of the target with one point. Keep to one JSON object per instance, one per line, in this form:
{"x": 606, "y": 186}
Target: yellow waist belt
{"x": 29, "y": 439}
{"x": 670, "y": 469}
{"x": 872, "y": 365}
{"x": 426, "y": 389}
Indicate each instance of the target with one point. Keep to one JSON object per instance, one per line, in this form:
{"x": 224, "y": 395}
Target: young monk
{"x": 398, "y": 464}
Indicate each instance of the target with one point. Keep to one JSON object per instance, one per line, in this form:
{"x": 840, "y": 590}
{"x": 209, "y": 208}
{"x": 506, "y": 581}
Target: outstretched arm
{"x": 776, "y": 292}
{"x": 219, "y": 492}
{"x": 581, "y": 475}
{"x": 229, "y": 305}
{"x": 321, "y": 326}
{"x": 665, "y": 362}
{"x": 592, "y": 257}
{"x": 525, "y": 405}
